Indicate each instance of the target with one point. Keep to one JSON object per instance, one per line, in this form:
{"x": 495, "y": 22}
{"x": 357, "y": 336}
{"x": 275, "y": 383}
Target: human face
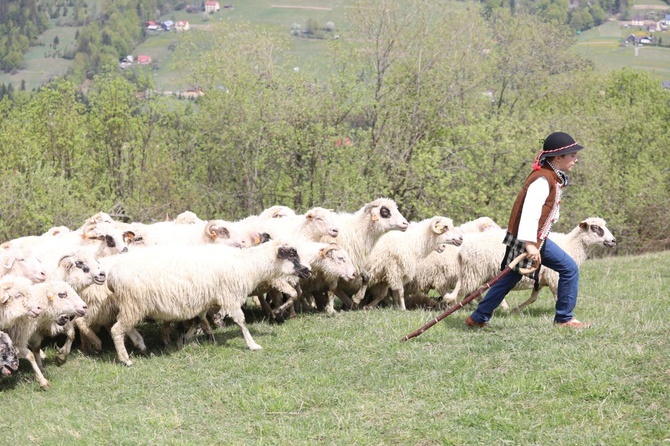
{"x": 565, "y": 163}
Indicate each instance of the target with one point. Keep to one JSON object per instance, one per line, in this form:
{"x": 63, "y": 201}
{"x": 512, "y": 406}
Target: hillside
{"x": 56, "y": 47}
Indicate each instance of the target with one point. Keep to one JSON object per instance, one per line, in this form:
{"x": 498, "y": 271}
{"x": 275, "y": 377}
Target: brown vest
{"x": 515, "y": 216}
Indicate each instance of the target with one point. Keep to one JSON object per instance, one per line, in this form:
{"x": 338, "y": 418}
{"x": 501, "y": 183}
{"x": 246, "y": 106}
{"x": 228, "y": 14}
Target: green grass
{"x": 603, "y": 46}
{"x": 349, "y": 380}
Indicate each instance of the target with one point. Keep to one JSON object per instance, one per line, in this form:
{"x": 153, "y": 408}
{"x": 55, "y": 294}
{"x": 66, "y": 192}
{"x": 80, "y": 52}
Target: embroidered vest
{"x": 550, "y": 207}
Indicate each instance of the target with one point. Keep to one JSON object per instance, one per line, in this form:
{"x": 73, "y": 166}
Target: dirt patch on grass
{"x": 317, "y": 8}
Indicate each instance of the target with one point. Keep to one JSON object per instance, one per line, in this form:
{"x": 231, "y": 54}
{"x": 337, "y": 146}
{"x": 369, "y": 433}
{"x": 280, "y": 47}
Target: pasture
{"x": 349, "y": 380}
{"x": 603, "y": 46}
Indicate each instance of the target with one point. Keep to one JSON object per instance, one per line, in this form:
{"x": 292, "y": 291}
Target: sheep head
{"x": 384, "y": 213}
{"x": 596, "y": 232}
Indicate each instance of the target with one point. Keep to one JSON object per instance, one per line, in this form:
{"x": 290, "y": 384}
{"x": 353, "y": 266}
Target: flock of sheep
{"x": 114, "y": 274}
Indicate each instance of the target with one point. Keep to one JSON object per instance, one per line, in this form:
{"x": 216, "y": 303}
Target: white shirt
{"x": 537, "y": 194}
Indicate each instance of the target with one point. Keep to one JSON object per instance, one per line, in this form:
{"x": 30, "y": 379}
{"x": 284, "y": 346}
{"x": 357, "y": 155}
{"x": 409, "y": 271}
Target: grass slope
{"x": 349, "y": 380}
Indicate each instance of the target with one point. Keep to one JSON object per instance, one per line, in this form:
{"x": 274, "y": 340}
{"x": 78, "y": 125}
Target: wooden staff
{"x": 474, "y": 295}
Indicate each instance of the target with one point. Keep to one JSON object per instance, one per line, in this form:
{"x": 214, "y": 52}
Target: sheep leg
{"x": 165, "y": 333}
{"x": 64, "y": 351}
{"x": 346, "y": 300}
{"x": 267, "y": 309}
{"x": 399, "y": 297}
{"x": 360, "y": 295}
{"x": 452, "y": 297}
{"x": 379, "y": 294}
{"x": 531, "y": 299}
{"x": 88, "y": 337}
{"x": 119, "y": 336}
{"x": 26, "y": 353}
{"x": 238, "y": 317}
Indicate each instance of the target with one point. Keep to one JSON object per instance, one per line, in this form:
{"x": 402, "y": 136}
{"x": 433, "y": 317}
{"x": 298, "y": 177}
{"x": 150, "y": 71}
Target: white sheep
{"x": 439, "y": 271}
{"x": 21, "y": 262}
{"x": 187, "y": 218}
{"x": 578, "y": 244}
{"x": 80, "y": 270}
{"x": 60, "y": 302}
{"x": 100, "y": 239}
{"x": 358, "y": 233}
{"x": 16, "y": 300}
{"x": 480, "y": 256}
{"x": 393, "y": 260}
{"x": 9, "y": 355}
{"x": 175, "y": 285}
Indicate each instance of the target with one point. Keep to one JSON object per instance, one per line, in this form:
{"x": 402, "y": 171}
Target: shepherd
{"x": 535, "y": 210}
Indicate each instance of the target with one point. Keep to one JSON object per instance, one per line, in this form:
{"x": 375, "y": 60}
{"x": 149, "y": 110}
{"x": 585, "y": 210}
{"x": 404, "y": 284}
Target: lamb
{"x": 60, "y": 302}
{"x": 9, "y": 355}
{"x": 187, "y": 218}
{"x": 22, "y": 262}
{"x": 165, "y": 285}
{"x": 439, "y": 271}
{"x": 358, "y": 233}
{"x": 479, "y": 258}
{"x": 393, "y": 260}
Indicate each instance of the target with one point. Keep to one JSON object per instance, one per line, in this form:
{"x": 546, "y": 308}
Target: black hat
{"x": 558, "y": 143}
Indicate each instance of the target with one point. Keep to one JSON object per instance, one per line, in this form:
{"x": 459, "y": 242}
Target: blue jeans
{"x": 568, "y": 282}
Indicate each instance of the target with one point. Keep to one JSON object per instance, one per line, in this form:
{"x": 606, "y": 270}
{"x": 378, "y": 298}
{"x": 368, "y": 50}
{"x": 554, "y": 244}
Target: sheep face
{"x": 9, "y": 355}
{"x": 293, "y": 260}
{"x": 80, "y": 271}
{"x": 62, "y": 300}
{"x": 112, "y": 240}
{"x": 597, "y": 232}
{"x": 22, "y": 262}
{"x": 16, "y": 299}
{"x": 339, "y": 262}
{"x": 385, "y": 215}
{"x": 322, "y": 221}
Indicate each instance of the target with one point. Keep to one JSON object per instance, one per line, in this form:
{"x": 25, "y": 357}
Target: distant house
{"x": 151, "y": 25}
{"x": 182, "y": 25}
{"x": 667, "y": 19}
{"x": 637, "y": 21}
{"x": 143, "y": 59}
{"x": 212, "y": 6}
{"x": 167, "y": 25}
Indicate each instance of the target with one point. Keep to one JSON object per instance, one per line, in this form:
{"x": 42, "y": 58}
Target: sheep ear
{"x": 309, "y": 216}
{"x": 584, "y": 225}
{"x": 5, "y": 297}
{"x": 66, "y": 262}
{"x": 51, "y": 296}
{"x": 129, "y": 236}
{"x": 375, "y": 217}
{"x": 10, "y": 262}
{"x": 323, "y": 253}
{"x": 439, "y": 228}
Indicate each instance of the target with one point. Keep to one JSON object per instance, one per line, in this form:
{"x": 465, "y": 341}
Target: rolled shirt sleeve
{"x": 537, "y": 194}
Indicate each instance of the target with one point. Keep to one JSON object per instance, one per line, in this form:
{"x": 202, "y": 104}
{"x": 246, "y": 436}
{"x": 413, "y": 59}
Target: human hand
{"x": 533, "y": 253}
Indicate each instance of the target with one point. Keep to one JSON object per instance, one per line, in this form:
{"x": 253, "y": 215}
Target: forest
{"x": 444, "y": 113}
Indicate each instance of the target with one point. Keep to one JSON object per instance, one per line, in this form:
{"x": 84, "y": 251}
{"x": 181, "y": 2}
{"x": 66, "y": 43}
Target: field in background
{"x": 349, "y": 380}
{"x": 603, "y": 46}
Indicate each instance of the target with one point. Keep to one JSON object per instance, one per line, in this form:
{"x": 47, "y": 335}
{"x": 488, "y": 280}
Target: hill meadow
{"x": 440, "y": 106}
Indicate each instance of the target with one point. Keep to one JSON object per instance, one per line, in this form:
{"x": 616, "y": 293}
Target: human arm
{"x": 537, "y": 194}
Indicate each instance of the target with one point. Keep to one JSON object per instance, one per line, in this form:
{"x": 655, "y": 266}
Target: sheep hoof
{"x": 255, "y": 347}
{"x": 127, "y": 363}
{"x": 61, "y": 359}
{"x": 44, "y": 385}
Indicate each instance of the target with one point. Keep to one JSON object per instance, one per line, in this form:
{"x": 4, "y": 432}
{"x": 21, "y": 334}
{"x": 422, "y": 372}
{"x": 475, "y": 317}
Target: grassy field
{"x": 349, "y": 380}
